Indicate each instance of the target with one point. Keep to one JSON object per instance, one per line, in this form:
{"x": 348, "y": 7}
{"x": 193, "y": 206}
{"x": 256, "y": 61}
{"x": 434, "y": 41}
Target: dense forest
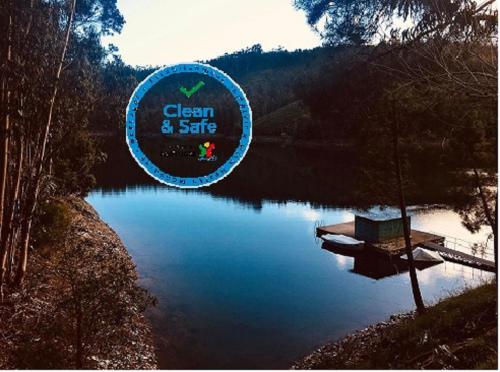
{"x": 316, "y": 94}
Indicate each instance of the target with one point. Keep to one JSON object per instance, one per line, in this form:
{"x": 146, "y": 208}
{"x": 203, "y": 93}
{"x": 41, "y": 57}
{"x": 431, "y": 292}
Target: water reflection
{"x": 373, "y": 265}
{"x": 320, "y": 175}
{"x": 240, "y": 278}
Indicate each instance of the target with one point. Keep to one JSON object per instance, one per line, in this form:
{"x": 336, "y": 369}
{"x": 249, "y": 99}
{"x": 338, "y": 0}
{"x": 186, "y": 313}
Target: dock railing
{"x": 482, "y": 250}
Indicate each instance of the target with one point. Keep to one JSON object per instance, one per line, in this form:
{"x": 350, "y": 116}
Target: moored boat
{"x": 343, "y": 241}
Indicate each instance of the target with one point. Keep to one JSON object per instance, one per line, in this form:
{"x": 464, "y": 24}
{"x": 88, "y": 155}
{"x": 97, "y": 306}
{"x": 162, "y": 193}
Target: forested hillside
{"x": 325, "y": 95}
{"x": 270, "y": 80}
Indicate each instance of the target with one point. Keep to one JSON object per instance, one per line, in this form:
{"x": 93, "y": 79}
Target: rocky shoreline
{"x": 348, "y": 351}
{"x": 458, "y": 332}
{"x": 136, "y": 351}
{"x": 80, "y": 306}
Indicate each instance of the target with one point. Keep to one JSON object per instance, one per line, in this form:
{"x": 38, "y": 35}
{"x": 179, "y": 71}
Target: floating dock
{"x": 391, "y": 247}
{"x": 396, "y": 247}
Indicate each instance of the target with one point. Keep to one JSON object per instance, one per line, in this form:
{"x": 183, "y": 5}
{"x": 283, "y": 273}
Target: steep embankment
{"x": 458, "y": 332}
{"x": 80, "y": 306}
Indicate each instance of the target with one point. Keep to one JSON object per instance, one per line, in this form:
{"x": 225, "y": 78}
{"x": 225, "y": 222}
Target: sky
{"x": 162, "y": 32}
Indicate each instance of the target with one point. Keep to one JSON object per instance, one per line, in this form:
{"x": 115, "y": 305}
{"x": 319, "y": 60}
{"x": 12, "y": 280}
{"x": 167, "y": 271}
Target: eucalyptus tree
{"x": 50, "y": 57}
{"x": 358, "y": 22}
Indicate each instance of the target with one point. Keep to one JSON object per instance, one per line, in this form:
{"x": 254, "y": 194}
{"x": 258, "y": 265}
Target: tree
{"x": 406, "y": 21}
{"x": 474, "y": 143}
{"x": 398, "y": 25}
{"x": 51, "y": 59}
{"x": 463, "y": 78}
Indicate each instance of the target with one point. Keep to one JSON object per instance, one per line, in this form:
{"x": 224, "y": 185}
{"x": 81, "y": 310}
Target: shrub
{"x": 52, "y": 222}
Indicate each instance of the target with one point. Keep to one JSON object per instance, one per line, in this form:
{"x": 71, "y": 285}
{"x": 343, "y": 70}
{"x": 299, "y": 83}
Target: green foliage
{"x": 356, "y": 22}
{"x": 293, "y": 120}
{"x": 77, "y": 155}
{"x": 52, "y": 223}
{"x": 465, "y": 323}
{"x": 86, "y": 90}
{"x": 459, "y": 332}
{"x": 102, "y": 16}
{"x": 117, "y": 81}
{"x": 476, "y": 191}
{"x": 270, "y": 80}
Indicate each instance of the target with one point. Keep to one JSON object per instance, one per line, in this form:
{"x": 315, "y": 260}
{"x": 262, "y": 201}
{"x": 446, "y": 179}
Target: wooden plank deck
{"x": 392, "y": 247}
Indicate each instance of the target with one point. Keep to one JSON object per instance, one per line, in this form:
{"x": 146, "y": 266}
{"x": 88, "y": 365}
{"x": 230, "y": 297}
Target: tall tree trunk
{"x": 6, "y": 122}
{"x": 490, "y": 217}
{"x": 495, "y": 238}
{"x": 5, "y": 158}
{"x": 9, "y": 238}
{"x": 417, "y": 295}
{"x": 79, "y": 338}
{"x": 35, "y": 190}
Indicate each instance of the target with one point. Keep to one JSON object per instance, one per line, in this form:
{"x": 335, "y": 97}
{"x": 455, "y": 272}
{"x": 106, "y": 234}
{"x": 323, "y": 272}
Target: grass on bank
{"x": 458, "y": 332}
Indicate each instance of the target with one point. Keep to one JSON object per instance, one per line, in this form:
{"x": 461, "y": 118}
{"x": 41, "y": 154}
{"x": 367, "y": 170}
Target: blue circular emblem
{"x": 189, "y": 182}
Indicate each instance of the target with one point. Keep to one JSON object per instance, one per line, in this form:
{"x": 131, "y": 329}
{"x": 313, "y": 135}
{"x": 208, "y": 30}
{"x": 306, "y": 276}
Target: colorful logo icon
{"x": 206, "y": 152}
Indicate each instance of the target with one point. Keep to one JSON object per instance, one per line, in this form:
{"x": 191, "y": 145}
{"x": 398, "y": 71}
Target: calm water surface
{"x": 246, "y": 285}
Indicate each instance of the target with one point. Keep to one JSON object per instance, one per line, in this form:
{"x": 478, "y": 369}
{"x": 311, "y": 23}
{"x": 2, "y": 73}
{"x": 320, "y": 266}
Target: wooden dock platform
{"x": 396, "y": 247}
{"x": 392, "y": 247}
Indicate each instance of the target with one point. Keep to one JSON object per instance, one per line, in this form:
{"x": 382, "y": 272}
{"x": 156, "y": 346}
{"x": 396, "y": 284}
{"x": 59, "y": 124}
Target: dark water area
{"x": 240, "y": 278}
{"x": 321, "y": 175}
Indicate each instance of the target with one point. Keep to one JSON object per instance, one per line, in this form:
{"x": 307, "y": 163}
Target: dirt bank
{"x": 80, "y": 306}
{"x": 459, "y": 332}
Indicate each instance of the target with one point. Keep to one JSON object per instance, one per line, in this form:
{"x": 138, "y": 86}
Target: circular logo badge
{"x": 188, "y": 125}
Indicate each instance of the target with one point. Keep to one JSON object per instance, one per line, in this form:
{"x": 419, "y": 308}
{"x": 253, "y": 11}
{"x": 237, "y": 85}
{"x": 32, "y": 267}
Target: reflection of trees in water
{"x": 320, "y": 175}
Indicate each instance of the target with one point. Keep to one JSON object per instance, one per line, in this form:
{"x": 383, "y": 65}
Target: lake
{"x": 240, "y": 279}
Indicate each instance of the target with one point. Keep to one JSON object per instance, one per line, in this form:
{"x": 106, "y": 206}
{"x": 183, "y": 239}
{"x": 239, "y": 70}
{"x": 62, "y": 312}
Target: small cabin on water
{"x": 384, "y": 235}
{"x": 378, "y": 230}
{"x": 381, "y": 234}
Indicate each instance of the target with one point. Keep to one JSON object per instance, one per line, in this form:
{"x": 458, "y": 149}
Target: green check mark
{"x": 193, "y": 90}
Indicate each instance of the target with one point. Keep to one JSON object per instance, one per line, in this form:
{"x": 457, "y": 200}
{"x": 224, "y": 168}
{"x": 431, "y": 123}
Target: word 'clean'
{"x": 180, "y": 115}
